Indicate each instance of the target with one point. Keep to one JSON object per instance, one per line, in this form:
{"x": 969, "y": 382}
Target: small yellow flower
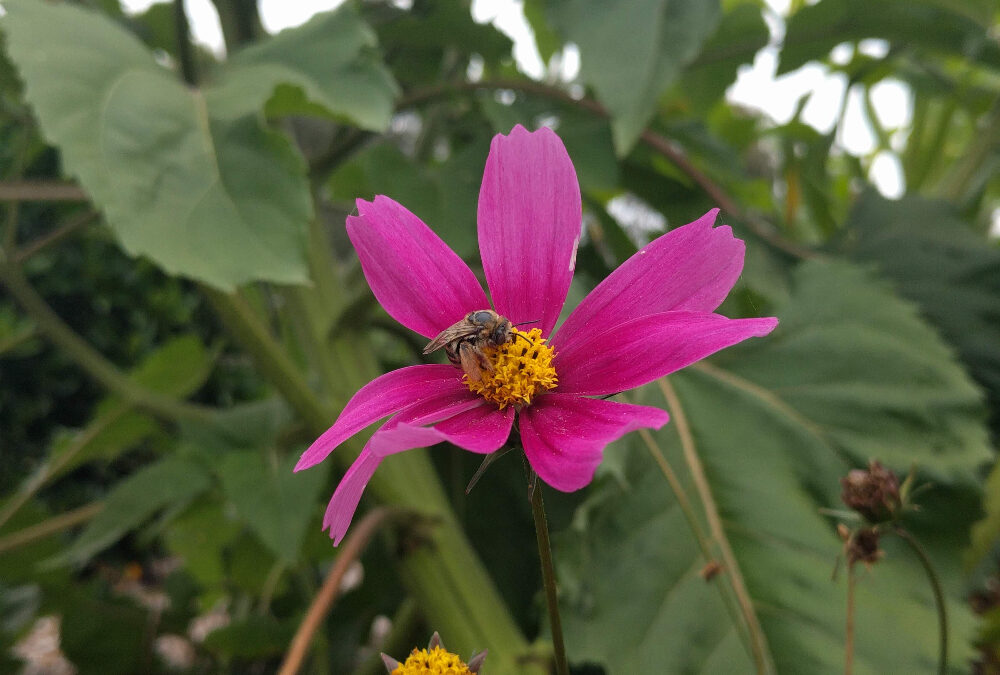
{"x": 435, "y": 660}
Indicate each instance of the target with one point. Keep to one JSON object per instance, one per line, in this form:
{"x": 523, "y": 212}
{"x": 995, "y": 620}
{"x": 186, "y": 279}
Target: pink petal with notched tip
{"x": 380, "y": 398}
{"x": 343, "y": 504}
{"x": 691, "y": 268}
{"x": 481, "y": 429}
{"x": 644, "y": 349}
{"x": 564, "y": 435}
{"x": 529, "y": 225}
{"x": 419, "y": 281}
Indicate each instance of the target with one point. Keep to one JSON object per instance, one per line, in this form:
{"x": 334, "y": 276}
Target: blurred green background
{"x": 182, "y": 314}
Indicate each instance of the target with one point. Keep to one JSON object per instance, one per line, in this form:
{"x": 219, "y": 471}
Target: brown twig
{"x": 41, "y": 191}
{"x": 47, "y": 527}
{"x": 323, "y": 602}
{"x": 759, "y": 647}
{"x": 54, "y": 236}
{"x": 669, "y": 149}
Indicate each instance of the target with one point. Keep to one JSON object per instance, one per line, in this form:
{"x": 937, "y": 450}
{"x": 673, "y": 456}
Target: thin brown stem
{"x": 41, "y": 191}
{"x": 49, "y": 527}
{"x": 354, "y": 546}
{"x": 55, "y": 236}
{"x": 758, "y": 642}
{"x": 849, "y": 629}
{"x": 548, "y": 570}
{"x": 704, "y": 541}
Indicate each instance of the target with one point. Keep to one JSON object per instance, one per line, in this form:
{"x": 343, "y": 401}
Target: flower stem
{"x": 849, "y": 629}
{"x": 548, "y": 570}
{"x": 938, "y": 596}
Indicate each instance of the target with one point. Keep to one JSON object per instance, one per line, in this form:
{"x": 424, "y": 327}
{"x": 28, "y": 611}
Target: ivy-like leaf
{"x": 224, "y": 201}
{"x": 327, "y": 65}
{"x": 171, "y": 482}
{"x": 275, "y": 502}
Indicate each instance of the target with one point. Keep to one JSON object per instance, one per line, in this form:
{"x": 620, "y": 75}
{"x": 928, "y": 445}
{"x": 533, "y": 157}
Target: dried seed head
{"x": 874, "y": 493}
{"x": 863, "y": 547}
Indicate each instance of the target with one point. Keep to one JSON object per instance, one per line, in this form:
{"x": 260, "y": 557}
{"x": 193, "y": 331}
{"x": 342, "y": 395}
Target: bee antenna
{"x": 525, "y": 323}
{"x": 524, "y": 338}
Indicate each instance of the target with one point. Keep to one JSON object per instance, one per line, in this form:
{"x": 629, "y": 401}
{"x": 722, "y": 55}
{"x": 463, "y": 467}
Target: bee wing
{"x": 457, "y": 331}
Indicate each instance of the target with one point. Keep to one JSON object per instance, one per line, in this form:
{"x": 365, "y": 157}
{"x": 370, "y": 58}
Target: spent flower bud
{"x": 874, "y": 493}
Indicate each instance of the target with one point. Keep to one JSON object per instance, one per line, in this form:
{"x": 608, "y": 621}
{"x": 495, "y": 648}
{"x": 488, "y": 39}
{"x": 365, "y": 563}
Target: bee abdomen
{"x": 451, "y": 349}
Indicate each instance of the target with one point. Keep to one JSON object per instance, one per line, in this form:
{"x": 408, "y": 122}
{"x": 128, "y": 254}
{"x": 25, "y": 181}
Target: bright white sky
{"x": 756, "y": 86}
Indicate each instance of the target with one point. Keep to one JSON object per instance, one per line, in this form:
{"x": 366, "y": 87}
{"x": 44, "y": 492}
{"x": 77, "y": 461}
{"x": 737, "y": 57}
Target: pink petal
{"x": 529, "y": 225}
{"x": 379, "y": 398}
{"x": 644, "y": 349}
{"x": 690, "y": 268}
{"x": 419, "y": 281}
{"x": 343, "y": 504}
{"x": 481, "y": 429}
{"x": 564, "y": 436}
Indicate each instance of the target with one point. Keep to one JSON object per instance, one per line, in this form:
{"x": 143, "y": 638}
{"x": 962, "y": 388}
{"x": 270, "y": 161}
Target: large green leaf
{"x": 171, "y": 482}
{"x": 630, "y": 52}
{"x": 851, "y": 373}
{"x": 327, "y": 65}
{"x": 222, "y": 200}
{"x": 936, "y": 260}
{"x": 816, "y": 29}
{"x": 276, "y": 503}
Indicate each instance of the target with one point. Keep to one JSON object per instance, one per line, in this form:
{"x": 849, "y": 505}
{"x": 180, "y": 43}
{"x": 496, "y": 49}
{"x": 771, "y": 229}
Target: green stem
{"x": 548, "y": 569}
{"x": 935, "y": 583}
{"x": 184, "y": 52}
{"x": 90, "y": 360}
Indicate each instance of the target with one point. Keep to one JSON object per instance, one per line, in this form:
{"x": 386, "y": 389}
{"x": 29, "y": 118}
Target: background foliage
{"x": 182, "y": 314}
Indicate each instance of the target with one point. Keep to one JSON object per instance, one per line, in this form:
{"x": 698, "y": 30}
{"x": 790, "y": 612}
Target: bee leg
{"x": 470, "y": 361}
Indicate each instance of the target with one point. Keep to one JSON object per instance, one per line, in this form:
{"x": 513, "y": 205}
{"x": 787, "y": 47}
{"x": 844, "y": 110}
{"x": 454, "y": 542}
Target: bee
{"x": 464, "y": 341}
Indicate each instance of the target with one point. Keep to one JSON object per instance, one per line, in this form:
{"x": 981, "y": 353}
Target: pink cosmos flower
{"x": 650, "y": 317}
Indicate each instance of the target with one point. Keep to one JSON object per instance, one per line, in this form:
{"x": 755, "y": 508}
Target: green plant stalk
{"x": 444, "y": 574}
{"x": 90, "y": 360}
{"x": 548, "y": 569}
{"x": 935, "y": 584}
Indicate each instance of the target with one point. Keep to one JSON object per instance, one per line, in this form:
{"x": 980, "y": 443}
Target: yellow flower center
{"x": 522, "y": 368}
{"x": 435, "y": 662}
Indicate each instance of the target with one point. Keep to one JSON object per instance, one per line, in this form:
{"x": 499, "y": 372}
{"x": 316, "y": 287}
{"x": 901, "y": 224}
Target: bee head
{"x": 482, "y": 317}
{"x": 501, "y": 332}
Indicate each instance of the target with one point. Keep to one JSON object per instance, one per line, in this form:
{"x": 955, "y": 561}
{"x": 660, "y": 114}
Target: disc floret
{"x": 522, "y": 369}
